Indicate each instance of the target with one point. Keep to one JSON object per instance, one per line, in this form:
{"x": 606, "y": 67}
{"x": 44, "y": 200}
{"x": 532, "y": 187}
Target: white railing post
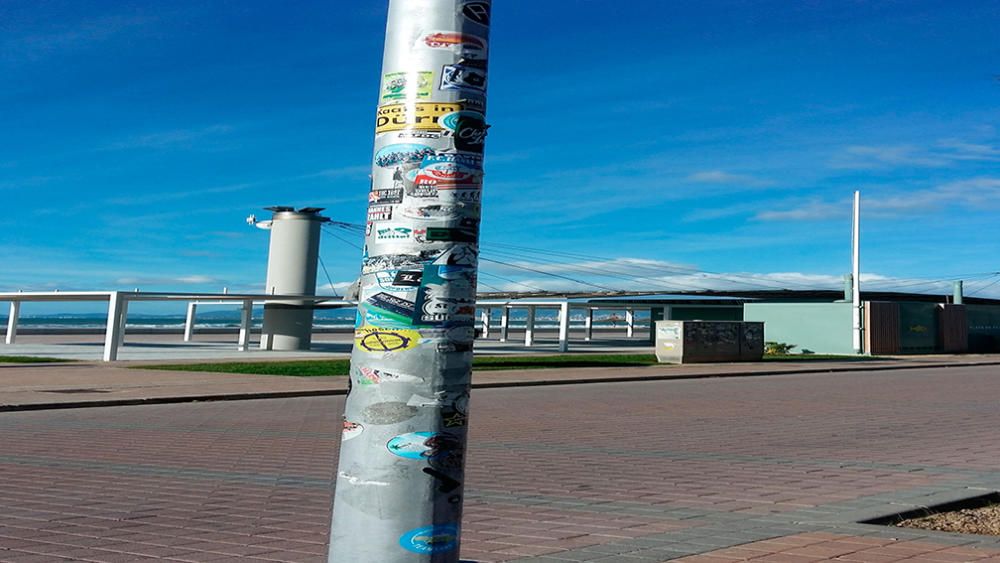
{"x": 246, "y": 315}
{"x": 504, "y": 323}
{"x": 564, "y": 327}
{"x": 529, "y": 327}
{"x": 192, "y": 310}
{"x": 629, "y": 322}
{"x": 12, "y": 319}
{"x": 112, "y": 333}
{"x": 486, "y": 314}
{"x": 588, "y": 325}
{"x": 123, "y": 319}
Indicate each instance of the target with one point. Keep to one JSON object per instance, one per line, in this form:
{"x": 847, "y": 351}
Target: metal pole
{"x": 399, "y": 490}
{"x": 957, "y": 293}
{"x": 629, "y": 323}
{"x": 856, "y": 275}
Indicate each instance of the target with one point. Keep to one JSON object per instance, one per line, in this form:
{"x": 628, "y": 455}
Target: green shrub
{"x": 777, "y": 348}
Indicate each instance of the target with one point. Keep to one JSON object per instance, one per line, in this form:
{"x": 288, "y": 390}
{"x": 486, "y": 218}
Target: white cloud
{"x": 168, "y": 139}
{"x": 812, "y": 211}
{"x": 67, "y": 38}
{"x": 664, "y": 277}
{"x": 193, "y": 279}
{"x": 973, "y": 193}
{"x": 945, "y": 152}
{"x": 961, "y": 150}
{"x": 31, "y": 182}
{"x": 723, "y": 177}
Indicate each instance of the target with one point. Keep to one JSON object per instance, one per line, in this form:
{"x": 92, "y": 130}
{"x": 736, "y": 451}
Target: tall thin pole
{"x": 856, "y": 274}
{"x": 400, "y": 480}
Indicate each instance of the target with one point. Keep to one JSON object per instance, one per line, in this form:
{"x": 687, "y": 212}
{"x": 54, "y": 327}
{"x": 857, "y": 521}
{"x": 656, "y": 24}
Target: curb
{"x": 491, "y": 385}
{"x": 169, "y": 400}
{"x": 733, "y": 374}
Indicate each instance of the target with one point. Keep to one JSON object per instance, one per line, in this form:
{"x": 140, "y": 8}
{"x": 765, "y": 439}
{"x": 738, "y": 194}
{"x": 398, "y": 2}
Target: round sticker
{"x": 430, "y": 539}
{"x": 450, "y": 120}
{"x": 352, "y": 430}
{"x": 384, "y": 340}
{"x": 422, "y": 445}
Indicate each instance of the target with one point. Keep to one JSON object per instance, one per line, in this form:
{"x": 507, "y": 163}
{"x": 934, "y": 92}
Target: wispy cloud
{"x": 32, "y": 47}
{"x": 945, "y": 152}
{"x": 176, "y": 138}
{"x": 659, "y": 280}
{"x": 665, "y": 277}
{"x": 973, "y": 193}
{"x": 31, "y": 182}
{"x": 342, "y": 172}
{"x": 723, "y": 212}
{"x": 811, "y": 211}
{"x": 193, "y": 279}
{"x": 723, "y": 177}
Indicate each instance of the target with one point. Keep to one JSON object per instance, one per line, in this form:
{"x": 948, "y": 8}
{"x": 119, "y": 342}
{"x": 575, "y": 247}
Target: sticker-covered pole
{"x": 400, "y": 479}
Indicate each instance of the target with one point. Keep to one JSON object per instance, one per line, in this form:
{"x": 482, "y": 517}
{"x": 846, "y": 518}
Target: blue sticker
{"x": 410, "y": 446}
{"x": 423, "y": 445}
{"x": 403, "y": 153}
{"x": 451, "y": 120}
{"x": 430, "y": 539}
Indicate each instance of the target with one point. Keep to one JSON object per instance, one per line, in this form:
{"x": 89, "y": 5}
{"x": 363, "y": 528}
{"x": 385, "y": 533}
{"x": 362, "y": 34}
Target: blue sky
{"x": 724, "y": 136}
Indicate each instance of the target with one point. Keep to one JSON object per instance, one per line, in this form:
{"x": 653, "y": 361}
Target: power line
{"x": 345, "y": 241}
{"x": 511, "y": 281}
{"x": 574, "y": 280}
{"x": 535, "y": 256}
{"x": 328, "y": 279}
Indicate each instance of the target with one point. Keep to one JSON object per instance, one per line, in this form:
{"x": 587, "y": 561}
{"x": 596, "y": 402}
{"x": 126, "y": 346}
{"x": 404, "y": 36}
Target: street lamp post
{"x": 400, "y": 479}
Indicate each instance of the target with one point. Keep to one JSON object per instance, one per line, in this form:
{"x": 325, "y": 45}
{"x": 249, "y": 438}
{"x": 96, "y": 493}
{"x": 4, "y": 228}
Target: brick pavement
{"x": 773, "y": 469}
{"x": 30, "y": 386}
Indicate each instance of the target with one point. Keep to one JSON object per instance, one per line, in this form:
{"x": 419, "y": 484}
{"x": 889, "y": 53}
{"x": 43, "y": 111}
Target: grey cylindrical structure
{"x": 400, "y": 481}
{"x": 848, "y": 287}
{"x": 291, "y": 270}
{"x": 957, "y": 292}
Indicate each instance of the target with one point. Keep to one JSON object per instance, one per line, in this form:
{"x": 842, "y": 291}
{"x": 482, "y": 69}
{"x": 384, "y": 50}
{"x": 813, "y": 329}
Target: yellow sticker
{"x": 419, "y": 115}
{"x": 374, "y": 339}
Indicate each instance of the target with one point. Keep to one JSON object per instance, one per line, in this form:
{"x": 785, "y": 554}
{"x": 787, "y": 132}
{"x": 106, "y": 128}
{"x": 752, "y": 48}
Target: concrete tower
{"x": 291, "y": 270}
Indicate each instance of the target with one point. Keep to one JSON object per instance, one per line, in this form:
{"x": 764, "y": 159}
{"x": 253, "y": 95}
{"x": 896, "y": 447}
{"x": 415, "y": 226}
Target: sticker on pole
{"x": 352, "y": 430}
{"x": 477, "y": 11}
{"x": 423, "y": 445}
{"x": 418, "y": 115}
{"x": 374, "y": 339}
{"x": 430, "y": 539}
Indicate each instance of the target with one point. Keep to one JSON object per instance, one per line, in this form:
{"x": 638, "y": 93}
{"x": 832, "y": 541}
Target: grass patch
{"x": 299, "y": 368}
{"x": 332, "y": 368}
{"x": 328, "y": 368}
{"x": 488, "y": 363}
{"x": 31, "y": 360}
{"x": 818, "y": 357}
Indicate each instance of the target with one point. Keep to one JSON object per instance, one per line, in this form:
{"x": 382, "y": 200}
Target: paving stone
{"x": 637, "y": 471}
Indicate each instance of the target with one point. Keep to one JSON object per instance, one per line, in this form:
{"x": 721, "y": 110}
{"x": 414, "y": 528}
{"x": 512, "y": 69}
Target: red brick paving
{"x": 590, "y": 472}
{"x": 835, "y": 547}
